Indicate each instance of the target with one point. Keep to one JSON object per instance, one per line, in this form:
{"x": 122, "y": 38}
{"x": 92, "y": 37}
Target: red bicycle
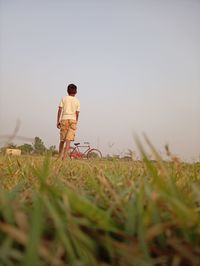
{"x": 87, "y": 153}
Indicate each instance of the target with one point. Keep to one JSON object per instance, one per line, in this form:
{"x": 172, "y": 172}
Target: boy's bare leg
{"x": 61, "y": 146}
{"x": 66, "y": 149}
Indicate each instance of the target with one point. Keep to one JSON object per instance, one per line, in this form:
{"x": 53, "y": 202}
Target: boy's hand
{"x": 58, "y": 125}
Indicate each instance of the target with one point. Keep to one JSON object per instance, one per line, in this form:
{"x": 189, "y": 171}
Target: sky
{"x": 136, "y": 64}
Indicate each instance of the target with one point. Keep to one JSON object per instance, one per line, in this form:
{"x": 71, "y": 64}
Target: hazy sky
{"x": 136, "y": 65}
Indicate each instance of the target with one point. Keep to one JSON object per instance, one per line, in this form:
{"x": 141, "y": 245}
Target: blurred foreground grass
{"x": 98, "y": 212}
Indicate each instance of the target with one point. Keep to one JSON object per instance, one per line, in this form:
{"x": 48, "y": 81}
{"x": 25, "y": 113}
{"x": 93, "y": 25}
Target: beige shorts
{"x": 67, "y": 130}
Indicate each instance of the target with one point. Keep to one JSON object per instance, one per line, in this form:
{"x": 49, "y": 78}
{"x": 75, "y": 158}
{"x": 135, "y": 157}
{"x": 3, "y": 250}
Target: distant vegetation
{"x": 37, "y": 147}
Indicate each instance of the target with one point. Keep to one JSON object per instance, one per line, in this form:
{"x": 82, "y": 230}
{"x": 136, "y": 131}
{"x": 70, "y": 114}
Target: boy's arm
{"x": 58, "y": 116}
{"x": 77, "y": 110}
{"x": 77, "y": 115}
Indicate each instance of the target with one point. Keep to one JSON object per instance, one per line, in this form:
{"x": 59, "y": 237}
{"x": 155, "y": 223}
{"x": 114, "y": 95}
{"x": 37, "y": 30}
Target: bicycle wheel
{"x": 94, "y": 154}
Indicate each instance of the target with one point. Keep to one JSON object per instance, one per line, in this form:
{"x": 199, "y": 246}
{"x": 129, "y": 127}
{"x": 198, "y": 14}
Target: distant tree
{"x": 26, "y": 148}
{"x": 38, "y": 146}
{"x": 52, "y": 150}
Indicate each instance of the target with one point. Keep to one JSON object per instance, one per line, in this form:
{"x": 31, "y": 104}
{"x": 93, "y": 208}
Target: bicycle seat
{"x": 76, "y": 144}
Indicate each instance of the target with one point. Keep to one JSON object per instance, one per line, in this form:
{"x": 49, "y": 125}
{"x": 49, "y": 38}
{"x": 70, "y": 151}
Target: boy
{"x": 67, "y": 118}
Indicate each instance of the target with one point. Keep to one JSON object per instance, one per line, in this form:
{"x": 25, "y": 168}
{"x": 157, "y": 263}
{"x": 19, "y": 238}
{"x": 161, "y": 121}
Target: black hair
{"x": 71, "y": 89}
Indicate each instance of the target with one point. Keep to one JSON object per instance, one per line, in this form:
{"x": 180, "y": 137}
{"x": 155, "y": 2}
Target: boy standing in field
{"x": 67, "y": 118}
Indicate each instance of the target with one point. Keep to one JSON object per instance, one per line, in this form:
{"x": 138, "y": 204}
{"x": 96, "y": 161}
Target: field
{"x": 116, "y": 212}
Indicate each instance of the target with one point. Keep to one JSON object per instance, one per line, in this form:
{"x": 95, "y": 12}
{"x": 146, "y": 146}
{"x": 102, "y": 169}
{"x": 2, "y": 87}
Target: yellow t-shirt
{"x": 70, "y": 105}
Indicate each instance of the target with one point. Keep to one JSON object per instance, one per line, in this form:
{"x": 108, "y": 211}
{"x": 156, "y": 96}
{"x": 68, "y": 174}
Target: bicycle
{"x": 88, "y": 153}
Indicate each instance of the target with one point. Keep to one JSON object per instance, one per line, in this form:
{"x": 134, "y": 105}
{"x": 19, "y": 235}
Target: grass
{"x": 104, "y": 213}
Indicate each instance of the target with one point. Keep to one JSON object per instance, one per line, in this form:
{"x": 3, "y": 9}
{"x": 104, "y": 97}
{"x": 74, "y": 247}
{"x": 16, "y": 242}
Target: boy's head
{"x": 72, "y": 89}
